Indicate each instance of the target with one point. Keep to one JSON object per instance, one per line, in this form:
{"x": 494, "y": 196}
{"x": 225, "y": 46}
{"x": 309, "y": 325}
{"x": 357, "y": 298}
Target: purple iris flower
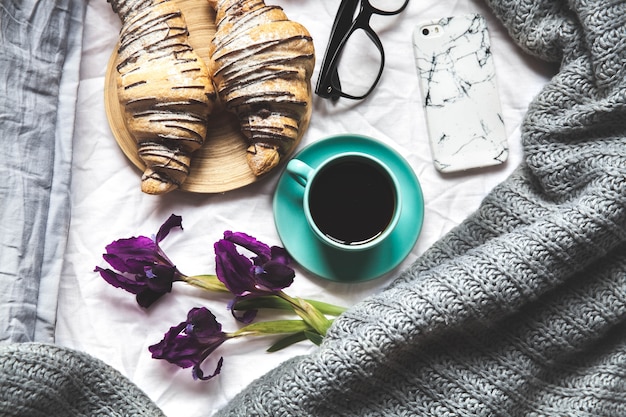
{"x": 141, "y": 266}
{"x": 264, "y": 274}
{"x": 189, "y": 343}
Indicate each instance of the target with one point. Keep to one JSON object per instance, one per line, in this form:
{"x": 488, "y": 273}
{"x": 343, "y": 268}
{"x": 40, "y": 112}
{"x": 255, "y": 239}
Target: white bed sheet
{"x": 107, "y": 203}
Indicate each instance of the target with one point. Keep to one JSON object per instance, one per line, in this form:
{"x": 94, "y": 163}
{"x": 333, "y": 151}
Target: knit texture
{"x": 49, "y": 381}
{"x": 521, "y": 309}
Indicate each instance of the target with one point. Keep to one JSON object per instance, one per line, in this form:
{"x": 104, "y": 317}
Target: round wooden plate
{"x": 220, "y": 165}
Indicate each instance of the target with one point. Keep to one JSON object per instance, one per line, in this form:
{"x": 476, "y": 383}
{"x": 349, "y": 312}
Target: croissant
{"x": 165, "y": 89}
{"x": 261, "y": 64}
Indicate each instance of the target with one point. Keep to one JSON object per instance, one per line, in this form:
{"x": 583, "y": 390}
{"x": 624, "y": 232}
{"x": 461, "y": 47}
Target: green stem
{"x": 311, "y": 315}
{"x": 206, "y": 282}
{"x": 271, "y": 327}
{"x": 326, "y": 308}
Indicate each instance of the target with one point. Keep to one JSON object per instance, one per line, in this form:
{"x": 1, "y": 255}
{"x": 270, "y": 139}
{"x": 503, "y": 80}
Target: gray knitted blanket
{"x": 43, "y": 380}
{"x": 519, "y": 311}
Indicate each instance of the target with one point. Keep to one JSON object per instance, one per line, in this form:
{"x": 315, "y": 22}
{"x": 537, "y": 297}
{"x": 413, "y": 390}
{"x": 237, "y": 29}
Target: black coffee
{"x": 351, "y": 201}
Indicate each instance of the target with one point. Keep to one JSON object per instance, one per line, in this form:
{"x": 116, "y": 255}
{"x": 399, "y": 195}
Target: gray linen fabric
{"x": 521, "y": 310}
{"x": 48, "y": 381}
{"x": 39, "y": 41}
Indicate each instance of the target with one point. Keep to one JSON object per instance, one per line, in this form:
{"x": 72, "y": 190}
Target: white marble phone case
{"x": 459, "y": 93}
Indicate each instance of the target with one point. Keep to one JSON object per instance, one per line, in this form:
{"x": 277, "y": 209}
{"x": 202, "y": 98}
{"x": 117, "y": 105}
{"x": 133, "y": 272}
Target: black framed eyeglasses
{"x": 352, "y": 34}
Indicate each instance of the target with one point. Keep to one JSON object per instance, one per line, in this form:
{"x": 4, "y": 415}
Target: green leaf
{"x": 272, "y": 327}
{"x": 330, "y": 309}
{"x": 287, "y": 341}
{"x": 316, "y": 338}
{"x": 275, "y": 302}
{"x": 258, "y": 303}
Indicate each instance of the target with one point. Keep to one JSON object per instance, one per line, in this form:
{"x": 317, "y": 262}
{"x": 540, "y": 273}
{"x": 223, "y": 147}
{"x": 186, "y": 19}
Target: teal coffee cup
{"x": 351, "y": 200}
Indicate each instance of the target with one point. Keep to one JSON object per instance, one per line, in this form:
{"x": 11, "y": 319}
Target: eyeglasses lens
{"x": 388, "y": 6}
{"x": 359, "y": 65}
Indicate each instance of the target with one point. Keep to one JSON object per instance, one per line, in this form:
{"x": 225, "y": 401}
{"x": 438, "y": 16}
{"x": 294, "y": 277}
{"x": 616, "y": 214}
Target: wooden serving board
{"x": 220, "y": 165}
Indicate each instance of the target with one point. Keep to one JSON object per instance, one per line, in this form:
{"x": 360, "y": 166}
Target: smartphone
{"x": 459, "y": 93}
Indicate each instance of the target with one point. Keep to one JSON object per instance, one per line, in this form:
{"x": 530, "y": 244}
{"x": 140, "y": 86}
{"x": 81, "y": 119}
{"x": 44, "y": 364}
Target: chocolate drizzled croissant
{"x": 165, "y": 89}
{"x": 261, "y": 64}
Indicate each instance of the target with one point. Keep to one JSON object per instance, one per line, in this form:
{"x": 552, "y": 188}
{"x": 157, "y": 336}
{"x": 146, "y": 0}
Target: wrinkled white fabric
{"x": 107, "y": 203}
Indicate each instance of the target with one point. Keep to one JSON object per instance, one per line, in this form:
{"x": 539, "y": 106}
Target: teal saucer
{"x": 335, "y": 265}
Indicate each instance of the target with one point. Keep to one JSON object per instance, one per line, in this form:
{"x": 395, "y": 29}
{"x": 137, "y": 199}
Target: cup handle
{"x": 299, "y": 171}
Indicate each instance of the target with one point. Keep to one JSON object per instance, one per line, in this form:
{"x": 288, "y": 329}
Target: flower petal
{"x": 250, "y": 243}
{"x": 198, "y": 374}
{"x": 280, "y": 255}
{"x": 233, "y": 268}
{"x": 160, "y": 277}
{"x": 120, "y": 281}
{"x": 276, "y": 276}
{"x": 148, "y": 297}
{"x": 174, "y": 348}
{"x": 247, "y": 317}
{"x": 130, "y": 266}
{"x": 203, "y": 325}
{"x": 191, "y": 342}
{"x": 132, "y": 246}
{"x": 172, "y": 222}
{"x": 129, "y": 255}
